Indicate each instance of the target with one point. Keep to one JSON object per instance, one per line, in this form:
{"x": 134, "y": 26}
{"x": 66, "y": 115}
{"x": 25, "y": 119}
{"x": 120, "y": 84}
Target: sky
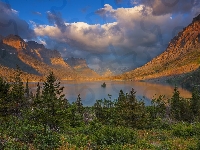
{"x": 116, "y": 35}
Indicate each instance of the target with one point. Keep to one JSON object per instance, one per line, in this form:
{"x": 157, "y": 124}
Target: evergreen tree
{"x": 51, "y": 106}
{"x": 27, "y": 91}
{"x": 4, "y": 97}
{"x": 17, "y": 93}
{"x": 79, "y": 104}
{"x": 175, "y": 104}
{"x": 38, "y": 94}
{"x": 195, "y": 103}
{"x": 159, "y": 107}
{"x": 130, "y": 112}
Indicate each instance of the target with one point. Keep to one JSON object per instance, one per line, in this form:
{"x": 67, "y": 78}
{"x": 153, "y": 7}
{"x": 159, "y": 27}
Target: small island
{"x": 103, "y": 85}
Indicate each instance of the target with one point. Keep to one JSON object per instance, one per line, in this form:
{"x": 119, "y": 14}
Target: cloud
{"x": 37, "y": 13}
{"x": 103, "y": 11}
{"x": 133, "y": 2}
{"x": 14, "y": 11}
{"x": 162, "y": 7}
{"x": 131, "y": 40}
{"x": 10, "y": 23}
{"x": 55, "y": 17}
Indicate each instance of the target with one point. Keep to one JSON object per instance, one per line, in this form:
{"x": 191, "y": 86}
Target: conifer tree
{"x": 130, "y": 112}
{"x": 27, "y": 91}
{"x": 38, "y": 94}
{"x": 4, "y": 97}
{"x": 195, "y": 103}
{"x": 17, "y": 93}
{"x": 175, "y": 104}
{"x": 79, "y": 104}
{"x": 51, "y": 108}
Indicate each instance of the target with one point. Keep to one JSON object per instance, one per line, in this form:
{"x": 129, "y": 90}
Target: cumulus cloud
{"x": 135, "y": 35}
{"x": 10, "y": 23}
{"x": 103, "y": 11}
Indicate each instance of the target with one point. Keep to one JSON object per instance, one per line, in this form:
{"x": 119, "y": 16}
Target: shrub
{"x": 108, "y": 135}
{"x": 186, "y": 129}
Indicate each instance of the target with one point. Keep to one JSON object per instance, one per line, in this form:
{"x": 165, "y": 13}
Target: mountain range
{"x": 180, "y": 57}
{"x": 36, "y": 61}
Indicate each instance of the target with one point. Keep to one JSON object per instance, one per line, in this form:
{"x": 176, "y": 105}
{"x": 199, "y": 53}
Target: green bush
{"x": 108, "y": 135}
{"x": 20, "y": 133}
{"x": 186, "y": 129}
{"x": 50, "y": 140}
{"x": 12, "y": 144}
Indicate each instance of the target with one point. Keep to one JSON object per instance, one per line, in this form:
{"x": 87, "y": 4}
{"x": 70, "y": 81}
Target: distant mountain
{"x": 181, "y": 56}
{"x": 35, "y": 59}
{"x": 81, "y": 67}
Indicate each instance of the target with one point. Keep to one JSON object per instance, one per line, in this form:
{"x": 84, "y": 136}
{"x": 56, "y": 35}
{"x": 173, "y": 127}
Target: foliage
{"x": 185, "y": 129}
{"x": 4, "y": 97}
{"x": 50, "y": 108}
{"x": 17, "y": 94}
{"x": 129, "y": 111}
{"x": 20, "y": 132}
{"x": 195, "y": 104}
{"x": 47, "y": 121}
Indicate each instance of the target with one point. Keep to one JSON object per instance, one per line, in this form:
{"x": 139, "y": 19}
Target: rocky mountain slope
{"x": 181, "y": 56}
{"x": 81, "y": 67}
{"x": 35, "y": 59}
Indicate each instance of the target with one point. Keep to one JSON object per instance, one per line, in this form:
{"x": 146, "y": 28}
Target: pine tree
{"x": 4, "y": 97}
{"x": 27, "y": 91}
{"x": 17, "y": 93}
{"x": 130, "y": 112}
{"x": 38, "y": 94}
{"x": 175, "y": 104}
{"x": 195, "y": 103}
{"x": 51, "y": 108}
{"x": 79, "y": 104}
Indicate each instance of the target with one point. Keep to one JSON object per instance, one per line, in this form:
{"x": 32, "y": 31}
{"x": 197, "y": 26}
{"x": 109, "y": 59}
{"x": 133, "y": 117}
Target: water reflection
{"x": 92, "y": 91}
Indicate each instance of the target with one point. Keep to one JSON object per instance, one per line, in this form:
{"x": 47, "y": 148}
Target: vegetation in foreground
{"x": 46, "y": 120}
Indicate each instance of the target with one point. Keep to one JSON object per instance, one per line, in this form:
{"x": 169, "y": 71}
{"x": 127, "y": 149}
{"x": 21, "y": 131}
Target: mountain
{"x": 35, "y": 59}
{"x": 181, "y": 56}
{"x": 81, "y": 67}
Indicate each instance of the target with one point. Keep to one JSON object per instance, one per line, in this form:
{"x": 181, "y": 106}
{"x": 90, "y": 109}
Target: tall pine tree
{"x": 4, "y": 97}
{"x": 195, "y": 103}
{"x": 17, "y": 93}
{"x": 51, "y": 108}
{"x": 175, "y": 104}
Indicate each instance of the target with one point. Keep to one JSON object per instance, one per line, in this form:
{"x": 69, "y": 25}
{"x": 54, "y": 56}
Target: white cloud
{"x": 14, "y": 11}
{"x": 126, "y": 32}
{"x": 134, "y": 31}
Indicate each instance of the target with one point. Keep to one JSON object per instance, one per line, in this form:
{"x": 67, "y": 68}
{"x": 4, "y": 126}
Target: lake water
{"x": 90, "y": 91}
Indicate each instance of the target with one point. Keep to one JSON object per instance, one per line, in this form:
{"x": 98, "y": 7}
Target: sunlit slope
{"x": 181, "y": 56}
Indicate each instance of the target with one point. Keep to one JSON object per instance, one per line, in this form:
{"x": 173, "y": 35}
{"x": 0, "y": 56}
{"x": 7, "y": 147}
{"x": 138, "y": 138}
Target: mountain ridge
{"x": 181, "y": 56}
{"x": 35, "y": 59}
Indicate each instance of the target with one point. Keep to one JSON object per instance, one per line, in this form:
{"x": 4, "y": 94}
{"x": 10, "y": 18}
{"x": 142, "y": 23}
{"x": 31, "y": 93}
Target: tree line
{"x": 47, "y": 113}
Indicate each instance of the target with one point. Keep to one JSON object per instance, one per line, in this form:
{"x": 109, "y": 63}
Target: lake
{"x": 90, "y": 91}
